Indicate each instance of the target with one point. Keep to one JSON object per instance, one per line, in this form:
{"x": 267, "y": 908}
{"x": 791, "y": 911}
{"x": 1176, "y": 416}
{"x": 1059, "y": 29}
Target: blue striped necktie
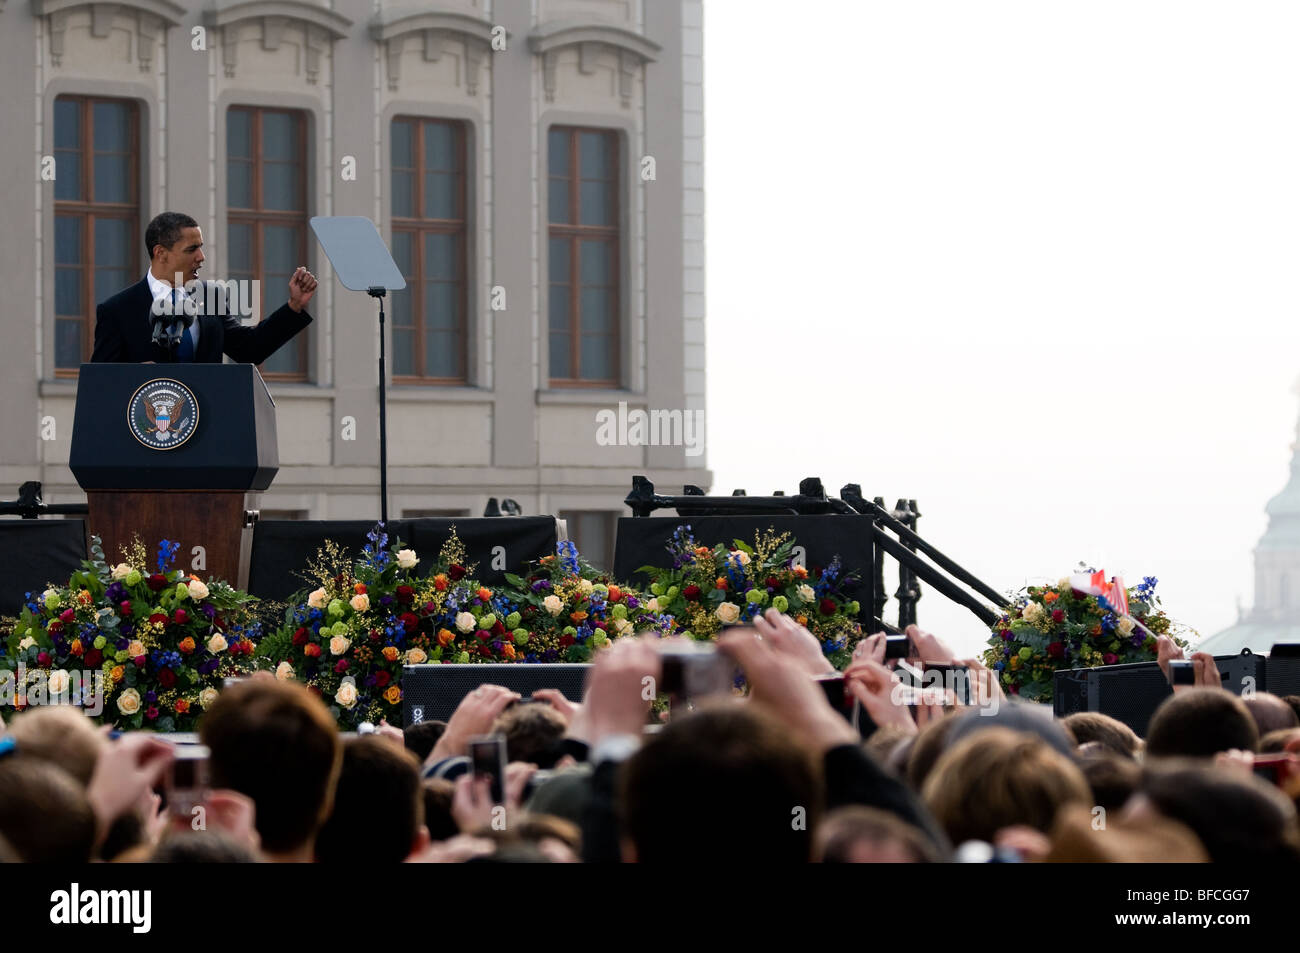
{"x": 185, "y": 352}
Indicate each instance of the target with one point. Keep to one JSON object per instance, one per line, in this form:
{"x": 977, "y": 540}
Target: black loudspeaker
{"x": 35, "y": 553}
{"x": 1131, "y": 693}
{"x": 1283, "y": 671}
{"x": 432, "y": 692}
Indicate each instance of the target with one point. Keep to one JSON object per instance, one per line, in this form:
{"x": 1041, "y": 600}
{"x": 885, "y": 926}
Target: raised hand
{"x": 302, "y": 285}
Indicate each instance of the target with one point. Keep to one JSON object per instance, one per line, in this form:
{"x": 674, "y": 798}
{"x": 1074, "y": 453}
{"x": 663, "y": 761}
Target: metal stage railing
{"x": 30, "y": 506}
{"x": 893, "y": 534}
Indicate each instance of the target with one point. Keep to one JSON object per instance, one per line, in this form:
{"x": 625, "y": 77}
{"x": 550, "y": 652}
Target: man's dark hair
{"x": 438, "y": 819}
{"x": 1112, "y": 778}
{"x": 422, "y": 736}
{"x": 201, "y": 847}
{"x": 721, "y": 782}
{"x": 1270, "y": 713}
{"x": 165, "y": 230}
{"x": 854, "y": 826}
{"x": 275, "y": 742}
{"x": 1239, "y": 818}
{"x": 1199, "y": 723}
{"x": 1110, "y": 733}
{"x": 44, "y": 812}
{"x": 1275, "y": 742}
{"x": 1294, "y": 702}
{"x": 534, "y": 733}
{"x": 378, "y": 805}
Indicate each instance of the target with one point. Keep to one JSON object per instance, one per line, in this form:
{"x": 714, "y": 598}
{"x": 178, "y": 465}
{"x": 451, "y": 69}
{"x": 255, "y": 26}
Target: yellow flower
{"x": 390, "y": 653}
{"x": 393, "y": 695}
{"x": 118, "y": 673}
{"x": 416, "y": 656}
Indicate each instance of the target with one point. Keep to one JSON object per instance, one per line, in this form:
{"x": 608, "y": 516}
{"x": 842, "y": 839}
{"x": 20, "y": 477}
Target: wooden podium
{"x": 170, "y": 451}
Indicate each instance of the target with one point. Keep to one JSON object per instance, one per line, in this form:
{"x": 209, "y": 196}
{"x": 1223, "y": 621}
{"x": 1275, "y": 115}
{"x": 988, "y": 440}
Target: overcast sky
{"x": 1032, "y": 263}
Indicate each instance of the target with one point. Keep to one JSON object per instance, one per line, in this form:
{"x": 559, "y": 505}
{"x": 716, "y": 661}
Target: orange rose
{"x": 393, "y": 695}
{"x": 801, "y": 619}
{"x": 440, "y": 582}
{"x": 118, "y": 673}
{"x": 182, "y": 706}
{"x": 615, "y": 593}
{"x": 445, "y": 637}
{"x": 801, "y": 573}
{"x": 701, "y": 550}
{"x": 1095, "y": 630}
{"x": 720, "y": 584}
{"x": 390, "y": 652}
{"x": 1051, "y": 597}
{"x": 84, "y": 597}
{"x": 485, "y": 594}
{"x": 359, "y": 588}
{"x": 577, "y": 616}
{"x": 76, "y": 648}
{"x": 187, "y": 645}
{"x": 508, "y": 650}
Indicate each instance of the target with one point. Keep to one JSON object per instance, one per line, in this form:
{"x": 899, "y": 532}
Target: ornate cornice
{"x": 320, "y": 27}
{"x": 633, "y": 50}
{"x": 433, "y": 27}
{"x": 152, "y": 17}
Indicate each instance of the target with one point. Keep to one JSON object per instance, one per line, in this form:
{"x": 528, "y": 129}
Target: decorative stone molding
{"x": 590, "y": 37}
{"x": 433, "y": 28}
{"x": 152, "y": 18}
{"x": 319, "y": 28}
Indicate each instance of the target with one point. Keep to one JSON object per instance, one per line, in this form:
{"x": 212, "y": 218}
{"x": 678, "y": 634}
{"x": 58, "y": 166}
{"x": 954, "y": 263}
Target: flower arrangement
{"x": 135, "y": 648}
{"x": 709, "y": 588}
{"x": 1047, "y": 628}
{"x": 570, "y": 609}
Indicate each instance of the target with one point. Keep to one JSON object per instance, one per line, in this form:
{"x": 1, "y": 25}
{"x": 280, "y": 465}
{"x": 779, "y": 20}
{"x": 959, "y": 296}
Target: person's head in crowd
{"x": 566, "y": 794}
{"x": 1283, "y": 739}
{"x": 201, "y": 847}
{"x": 883, "y": 743}
{"x": 45, "y": 814}
{"x": 126, "y": 833}
{"x": 1293, "y": 702}
{"x": 857, "y": 834}
{"x": 999, "y": 778}
{"x": 1270, "y": 713}
{"x": 378, "y": 815}
{"x": 1199, "y": 723}
{"x": 1086, "y": 726}
{"x": 1237, "y": 816}
{"x": 276, "y": 742}
{"x": 1017, "y": 716}
{"x": 1077, "y": 838}
{"x": 725, "y": 781}
{"x": 422, "y": 736}
{"x": 930, "y": 744}
{"x": 557, "y": 840}
{"x": 1112, "y": 778}
{"x": 534, "y": 734}
{"x": 61, "y": 734}
{"x": 438, "y": 819}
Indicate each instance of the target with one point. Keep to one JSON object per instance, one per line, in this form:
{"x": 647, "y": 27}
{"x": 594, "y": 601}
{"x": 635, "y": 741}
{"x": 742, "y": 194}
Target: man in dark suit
{"x": 157, "y": 319}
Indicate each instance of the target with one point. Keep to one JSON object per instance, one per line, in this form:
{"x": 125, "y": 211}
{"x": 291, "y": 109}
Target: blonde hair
{"x": 60, "y": 734}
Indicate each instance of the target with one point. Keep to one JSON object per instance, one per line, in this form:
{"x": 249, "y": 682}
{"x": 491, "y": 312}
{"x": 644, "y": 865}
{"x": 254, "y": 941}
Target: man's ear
{"x": 421, "y": 842}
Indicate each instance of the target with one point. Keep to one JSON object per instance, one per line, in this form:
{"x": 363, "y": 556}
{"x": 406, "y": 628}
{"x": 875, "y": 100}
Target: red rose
{"x": 55, "y": 626}
{"x": 300, "y": 637}
{"x": 374, "y": 635}
{"x": 457, "y": 573}
{"x": 1056, "y": 650}
{"x": 180, "y": 617}
{"x": 405, "y": 595}
{"x": 158, "y": 617}
{"x": 341, "y": 666}
{"x": 94, "y": 658}
{"x": 152, "y": 712}
{"x": 601, "y": 625}
{"x": 139, "y": 661}
{"x": 157, "y": 582}
{"x": 409, "y": 620}
{"x": 126, "y": 607}
{"x": 166, "y": 678}
{"x": 1006, "y": 635}
{"x": 827, "y": 607}
{"x": 772, "y": 582}
{"x": 43, "y": 659}
{"x": 247, "y": 646}
{"x": 498, "y": 628}
{"x": 1058, "y": 615}
{"x": 566, "y": 641}
{"x": 691, "y": 592}
{"x": 381, "y": 678}
{"x": 483, "y": 635}
{"x": 311, "y": 650}
{"x": 67, "y": 615}
{"x": 1110, "y": 658}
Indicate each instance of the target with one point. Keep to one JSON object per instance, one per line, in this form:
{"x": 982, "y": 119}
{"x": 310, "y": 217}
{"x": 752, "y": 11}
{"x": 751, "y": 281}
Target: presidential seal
{"x": 163, "y": 414}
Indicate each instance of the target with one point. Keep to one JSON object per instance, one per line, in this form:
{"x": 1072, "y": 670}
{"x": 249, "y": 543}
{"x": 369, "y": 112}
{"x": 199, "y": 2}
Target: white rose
{"x": 318, "y": 600}
{"x": 742, "y": 557}
{"x": 728, "y": 612}
{"x": 339, "y": 644}
{"x": 416, "y": 656}
{"x": 1063, "y": 583}
{"x": 585, "y": 586}
{"x": 1125, "y": 627}
{"x": 121, "y": 571}
{"x": 465, "y": 621}
{"x": 208, "y": 697}
{"x": 217, "y": 644}
{"x": 360, "y": 602}
{"x": 406, "y": 559}
{"x": 198, "y": 590}
{"x": 1032, "y": 613}
{"x": 346, "y": 696}
{"x": 26, "y": 643}
{"x": 284, "y": 671}
{"x": 552, "y": 604}
{"x": 622, "y": 627}
{"x": 128, "y": 703}
{"x": 652, "y": 605}
{"x": 805, "y": 592}
{"x": 57, "y": 683}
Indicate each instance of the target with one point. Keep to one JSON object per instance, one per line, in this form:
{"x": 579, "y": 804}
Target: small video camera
{"x": 898, "y": 646}
{"x": 695, "y": 670}
{"x": 487, "y": 757}
{"x": 1182, "y": 672}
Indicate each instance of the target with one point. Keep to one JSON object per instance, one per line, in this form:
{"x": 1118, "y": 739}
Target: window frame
{"x": 574, "y": 233}
{"x": 88, "y": 210}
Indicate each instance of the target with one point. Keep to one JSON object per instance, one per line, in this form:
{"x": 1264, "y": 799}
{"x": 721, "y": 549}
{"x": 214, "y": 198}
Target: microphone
{"x": 168, "y": 324}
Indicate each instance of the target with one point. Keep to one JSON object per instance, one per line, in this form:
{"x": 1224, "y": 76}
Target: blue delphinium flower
{"x": 568, "y": 554}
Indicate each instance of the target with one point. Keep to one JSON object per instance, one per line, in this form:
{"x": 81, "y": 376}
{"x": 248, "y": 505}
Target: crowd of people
{"x": 774, "y": 774}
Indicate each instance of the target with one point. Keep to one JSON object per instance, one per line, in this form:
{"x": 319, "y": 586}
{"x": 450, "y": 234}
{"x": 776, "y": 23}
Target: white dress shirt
{"x": 161, "y": 289}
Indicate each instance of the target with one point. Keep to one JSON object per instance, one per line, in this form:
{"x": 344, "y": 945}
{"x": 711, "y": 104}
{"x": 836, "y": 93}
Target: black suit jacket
{"x": 124, "y": 333}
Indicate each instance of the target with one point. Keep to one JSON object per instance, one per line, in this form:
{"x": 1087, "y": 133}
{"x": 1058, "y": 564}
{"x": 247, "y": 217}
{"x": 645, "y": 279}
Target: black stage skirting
{"x": 35, "y": 553}
{"x": 642, "y": 542}
{"x": 283, "y": 548}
